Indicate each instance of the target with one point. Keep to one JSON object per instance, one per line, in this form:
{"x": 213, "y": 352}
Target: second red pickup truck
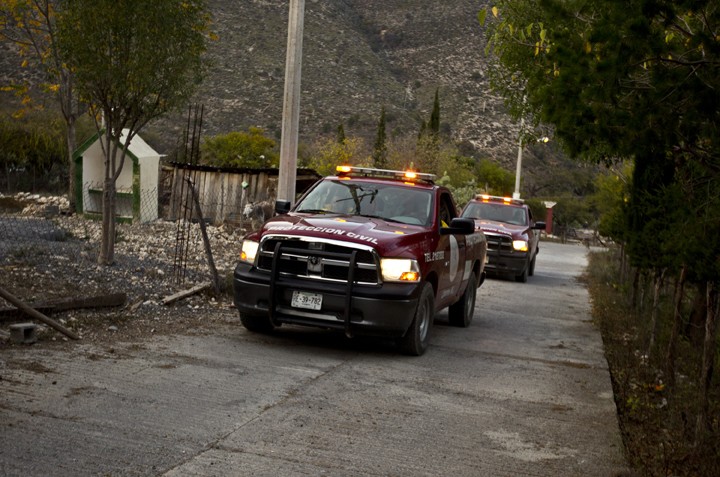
{"x": 513, "y": 235}
{"x": 368, "y": 251}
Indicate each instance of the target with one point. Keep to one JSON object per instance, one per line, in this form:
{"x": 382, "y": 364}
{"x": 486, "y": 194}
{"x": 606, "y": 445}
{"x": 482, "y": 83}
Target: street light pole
{"x": 516, "y": 194}
{"x": 291, "y": 103}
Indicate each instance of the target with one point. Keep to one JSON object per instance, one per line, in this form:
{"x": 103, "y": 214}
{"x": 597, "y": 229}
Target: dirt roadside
{"x": 43, "y": 260}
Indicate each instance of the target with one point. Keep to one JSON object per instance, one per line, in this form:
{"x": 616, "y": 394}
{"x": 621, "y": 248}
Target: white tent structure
{"x": 137, "y": 184}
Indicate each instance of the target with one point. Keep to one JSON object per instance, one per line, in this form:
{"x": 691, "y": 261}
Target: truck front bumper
{"x": 383, "y": 310}
{"x": 499, "y": 262}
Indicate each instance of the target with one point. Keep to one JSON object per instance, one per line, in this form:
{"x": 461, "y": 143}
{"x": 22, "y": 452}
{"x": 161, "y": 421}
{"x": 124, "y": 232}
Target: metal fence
{"x": 132, "y": 204}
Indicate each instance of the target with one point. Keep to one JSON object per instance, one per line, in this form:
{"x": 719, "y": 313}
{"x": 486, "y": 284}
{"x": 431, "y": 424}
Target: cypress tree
{"x": 379, "y": 154}
{"x": 341, "y": 134}
{"x": 435, "y": 115}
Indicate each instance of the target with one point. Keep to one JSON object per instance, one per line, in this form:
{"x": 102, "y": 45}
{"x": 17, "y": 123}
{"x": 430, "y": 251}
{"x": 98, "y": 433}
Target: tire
{"x": 531, "y": 270}
{"x": 522, "y": 278}
{"x": 461, "y": 313}
{"x": 256, "y": 323}
{"x": 417, "y": 337}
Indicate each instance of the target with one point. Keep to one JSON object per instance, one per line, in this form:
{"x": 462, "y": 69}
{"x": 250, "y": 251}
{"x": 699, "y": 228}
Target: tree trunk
{"x": 677, "y": 325}
{"x": 659, "y": 278}
{"x": 107, "y": 247}
{"x": 635, "y": 289}
{"x": 69, "y": 107}
{"x": 71, "y": 145}
{"x": 112, "y": 171}
{"x": 696, "y": 323}
{"x": 708, "y": 360}
{"x": 623, "y": 265}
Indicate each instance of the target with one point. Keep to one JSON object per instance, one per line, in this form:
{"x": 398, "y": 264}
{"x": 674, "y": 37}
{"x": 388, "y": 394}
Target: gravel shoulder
{"x": 49, "y": 259}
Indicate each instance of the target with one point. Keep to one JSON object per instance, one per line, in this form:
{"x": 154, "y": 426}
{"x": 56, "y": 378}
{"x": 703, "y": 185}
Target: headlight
{"x": 399, "y": 270}
{"x": 520, "y": 245}
{"x": 248, "y": 251}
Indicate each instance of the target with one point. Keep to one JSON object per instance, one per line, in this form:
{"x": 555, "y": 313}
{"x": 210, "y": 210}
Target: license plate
{"x": 310, "y": 301}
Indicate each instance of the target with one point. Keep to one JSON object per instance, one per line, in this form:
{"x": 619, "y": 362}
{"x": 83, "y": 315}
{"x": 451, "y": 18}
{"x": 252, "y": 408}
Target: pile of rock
{"x": 39, "y": 205}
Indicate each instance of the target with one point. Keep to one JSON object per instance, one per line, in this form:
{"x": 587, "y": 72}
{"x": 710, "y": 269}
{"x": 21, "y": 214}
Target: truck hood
{"x": 373, "y": 232}
{"x": 503, "y": 228}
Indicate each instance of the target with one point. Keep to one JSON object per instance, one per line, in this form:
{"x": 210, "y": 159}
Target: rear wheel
{"x": 461, "y": 313}
{"x": 416, "y": 339}
{"x": 257, "y": 323}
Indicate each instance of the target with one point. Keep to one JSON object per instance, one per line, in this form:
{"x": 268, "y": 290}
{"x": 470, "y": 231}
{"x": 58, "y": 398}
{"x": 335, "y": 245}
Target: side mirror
{"x": 282, "y": 207}
{"x": 539, "y": 226}
{"x": 459, "y": 225}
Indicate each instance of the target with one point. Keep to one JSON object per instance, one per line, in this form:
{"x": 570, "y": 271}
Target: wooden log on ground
{"x": 185, "y": 293}
{"x": 100, "y": 301}
{"x": 36, "y": 314}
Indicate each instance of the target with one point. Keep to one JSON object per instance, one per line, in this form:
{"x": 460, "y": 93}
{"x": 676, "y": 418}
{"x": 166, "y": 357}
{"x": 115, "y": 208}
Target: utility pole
{"x": 291, "y": 103}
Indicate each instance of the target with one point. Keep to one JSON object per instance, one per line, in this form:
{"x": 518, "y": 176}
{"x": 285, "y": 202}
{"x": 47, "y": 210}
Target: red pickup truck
{"x": 369, "y": 252}
{"x": 512, "y": 234}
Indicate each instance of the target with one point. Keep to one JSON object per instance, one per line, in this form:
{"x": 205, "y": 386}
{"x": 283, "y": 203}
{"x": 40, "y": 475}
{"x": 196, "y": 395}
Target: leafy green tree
{"x": 427, "y": 154}
{"x": 240, "y": 149}
{"x": 457, "y": 173}
{"x": 609, "y": 202}
{"x": 380, "y": 152}
{"x": 134, "y": 61}
{"x": 401, "y": 152}
{"x": 329, "y": 154}
{"x": 493, "y": 179}
{"x": 31, "y": 151}
{"x": 636, "y": 80}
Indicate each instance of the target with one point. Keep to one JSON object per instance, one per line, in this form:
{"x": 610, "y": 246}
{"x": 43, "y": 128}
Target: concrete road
{"x": 524, "y": 391}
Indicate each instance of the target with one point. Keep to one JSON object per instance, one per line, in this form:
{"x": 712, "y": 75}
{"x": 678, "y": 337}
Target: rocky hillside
{"x": 358, "y": 56}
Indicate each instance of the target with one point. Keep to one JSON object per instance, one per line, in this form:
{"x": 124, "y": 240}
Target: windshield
{"x": 386, "y": 201}
{"x": 496, "y": 212}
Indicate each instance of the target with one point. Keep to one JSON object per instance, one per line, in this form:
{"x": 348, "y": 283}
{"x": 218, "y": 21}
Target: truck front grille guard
{"x": 308, "y": 263}
{"x": 279, "y": 250}
{"x": 498, "y": 243}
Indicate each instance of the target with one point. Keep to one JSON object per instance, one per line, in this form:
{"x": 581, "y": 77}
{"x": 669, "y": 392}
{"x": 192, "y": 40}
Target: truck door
{"x": 452, "y": 247}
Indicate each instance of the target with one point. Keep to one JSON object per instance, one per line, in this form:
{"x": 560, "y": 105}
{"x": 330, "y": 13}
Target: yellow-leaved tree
{"x": 30, "y": 25}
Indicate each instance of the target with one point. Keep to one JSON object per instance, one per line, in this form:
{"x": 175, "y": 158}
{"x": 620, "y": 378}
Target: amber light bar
{"x": 370, "y": 172}
{"x": 495, "y": 198}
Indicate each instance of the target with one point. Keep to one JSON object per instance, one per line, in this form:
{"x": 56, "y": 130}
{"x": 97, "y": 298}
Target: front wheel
{"x": 256, "y": 323}
{"x": 522, "y": 277}
{"x": 531, "y": 272}
{"x": 416, "y": 339}
{"x": 461, "y": 313}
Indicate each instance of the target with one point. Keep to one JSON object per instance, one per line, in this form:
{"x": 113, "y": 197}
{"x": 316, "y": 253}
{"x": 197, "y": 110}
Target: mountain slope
{"x": 358, "y": 56}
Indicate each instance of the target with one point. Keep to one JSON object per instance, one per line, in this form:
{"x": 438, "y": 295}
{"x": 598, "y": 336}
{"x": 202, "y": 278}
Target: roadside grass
{"x": 658, "y": 421}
